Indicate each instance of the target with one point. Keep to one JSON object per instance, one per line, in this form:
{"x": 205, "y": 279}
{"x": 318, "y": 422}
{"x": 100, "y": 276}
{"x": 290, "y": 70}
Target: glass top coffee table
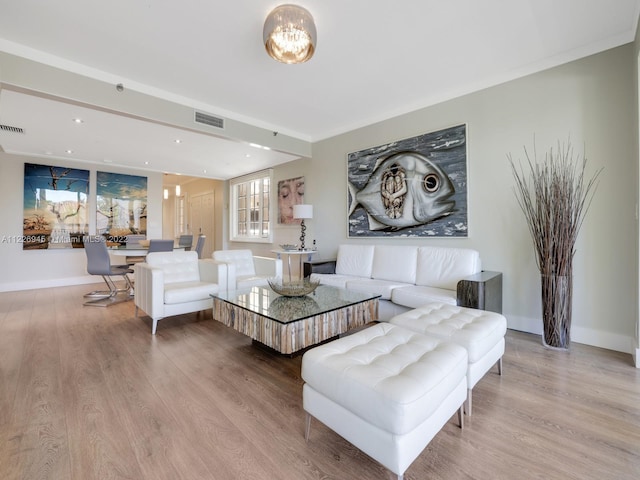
{"x": 290, "y": 324}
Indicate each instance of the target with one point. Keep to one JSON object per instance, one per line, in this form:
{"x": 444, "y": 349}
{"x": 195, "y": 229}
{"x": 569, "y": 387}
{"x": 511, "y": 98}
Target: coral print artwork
{"x": 416, "y": 187}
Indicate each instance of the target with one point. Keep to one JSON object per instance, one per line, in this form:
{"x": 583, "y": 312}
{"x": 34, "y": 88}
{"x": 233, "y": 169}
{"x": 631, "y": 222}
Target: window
{"x": 250, "y": 208}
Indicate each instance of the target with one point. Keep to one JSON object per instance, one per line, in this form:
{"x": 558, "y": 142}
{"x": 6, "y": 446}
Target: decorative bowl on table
{"x": 293, "y": 289}
{"x": 288, "y": 246}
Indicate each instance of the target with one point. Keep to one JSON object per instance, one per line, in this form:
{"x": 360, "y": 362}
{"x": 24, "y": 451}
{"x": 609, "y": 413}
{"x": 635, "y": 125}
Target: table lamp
{"x": 302, "y": 211}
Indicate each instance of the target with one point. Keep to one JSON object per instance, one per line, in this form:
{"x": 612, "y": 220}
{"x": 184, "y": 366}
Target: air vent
{"x": 8, "y": 128}
{"x": 210, "y": 120}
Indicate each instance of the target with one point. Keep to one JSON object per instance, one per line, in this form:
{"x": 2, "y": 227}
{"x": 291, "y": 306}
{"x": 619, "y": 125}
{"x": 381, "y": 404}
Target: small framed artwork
{"x": 290, "y": 193}
{"x": 416, "y": 187}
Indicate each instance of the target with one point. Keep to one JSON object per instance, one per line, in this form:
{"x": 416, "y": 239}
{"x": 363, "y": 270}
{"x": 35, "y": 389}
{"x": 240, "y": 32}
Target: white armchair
{"x": 173, "y": 283}
{"x": 245, "y": 270}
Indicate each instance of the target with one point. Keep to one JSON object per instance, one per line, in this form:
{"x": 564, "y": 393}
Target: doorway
{"x": 201, "y": 219}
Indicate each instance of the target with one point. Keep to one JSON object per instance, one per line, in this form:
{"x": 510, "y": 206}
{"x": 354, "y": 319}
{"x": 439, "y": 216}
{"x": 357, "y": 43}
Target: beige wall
{"x": 23, "y": 270}
{"x": 593, "y": 102}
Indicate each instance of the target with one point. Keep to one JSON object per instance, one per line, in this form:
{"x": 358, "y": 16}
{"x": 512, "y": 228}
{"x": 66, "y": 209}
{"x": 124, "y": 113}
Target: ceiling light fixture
{"x": 289, "y": 34}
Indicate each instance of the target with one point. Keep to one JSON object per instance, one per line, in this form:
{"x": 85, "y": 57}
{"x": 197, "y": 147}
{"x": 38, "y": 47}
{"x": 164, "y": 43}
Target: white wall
{"x": 27, "y": 269}
{"x": 592, "y": 101}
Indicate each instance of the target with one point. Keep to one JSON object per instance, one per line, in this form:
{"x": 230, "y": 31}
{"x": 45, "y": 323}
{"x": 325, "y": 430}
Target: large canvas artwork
{"x": 121, "y": 205}
{"x": 416, "y": 187}
{"x": 55, "y": 207}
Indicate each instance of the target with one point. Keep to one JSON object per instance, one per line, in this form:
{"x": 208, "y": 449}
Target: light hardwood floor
{"x": 88, "y": 393}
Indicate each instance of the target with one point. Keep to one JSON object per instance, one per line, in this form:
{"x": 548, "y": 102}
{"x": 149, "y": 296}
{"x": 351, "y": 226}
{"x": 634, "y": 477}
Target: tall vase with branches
{"x": 554, "y": 195}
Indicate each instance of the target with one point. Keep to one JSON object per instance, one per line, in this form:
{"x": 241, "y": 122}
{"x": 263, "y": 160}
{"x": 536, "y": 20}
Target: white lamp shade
{"x": 303, "y": 211}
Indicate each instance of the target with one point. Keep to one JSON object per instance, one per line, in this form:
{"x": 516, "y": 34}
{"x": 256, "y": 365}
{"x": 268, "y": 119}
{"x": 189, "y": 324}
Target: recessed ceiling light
{"x": 177, "y": 140}
{"x": 69, "y": 151}
{"x": 204, "y": 171}
{"x": 248, "y": 155}
{"x": 146, "y": 163}
{"x": 78, "y": 120}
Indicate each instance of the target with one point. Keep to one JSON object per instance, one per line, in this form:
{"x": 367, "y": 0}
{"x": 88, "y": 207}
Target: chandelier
{"x": 289, "y": 34}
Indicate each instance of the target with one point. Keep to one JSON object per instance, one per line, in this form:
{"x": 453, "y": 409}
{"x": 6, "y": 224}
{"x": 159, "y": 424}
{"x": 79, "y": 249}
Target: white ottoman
{"x": 385, "y": 389}
{"x": 480, "y": 332}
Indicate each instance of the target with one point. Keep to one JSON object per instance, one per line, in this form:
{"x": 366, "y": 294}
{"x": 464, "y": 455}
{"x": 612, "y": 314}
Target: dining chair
{"x": 99, "y": 263}
{"x": 186, "y": 241}
{"x": 200, "y": 245}
{"x": 160, "y": 246}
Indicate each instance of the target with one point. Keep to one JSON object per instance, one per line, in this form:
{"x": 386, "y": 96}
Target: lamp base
{"x": 302, "y": 233}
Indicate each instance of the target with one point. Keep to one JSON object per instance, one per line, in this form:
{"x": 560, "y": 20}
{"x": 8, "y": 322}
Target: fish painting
{"x": 405, "y": 189}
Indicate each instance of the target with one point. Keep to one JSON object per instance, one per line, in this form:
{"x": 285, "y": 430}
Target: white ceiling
{"x": 375, "y": 59}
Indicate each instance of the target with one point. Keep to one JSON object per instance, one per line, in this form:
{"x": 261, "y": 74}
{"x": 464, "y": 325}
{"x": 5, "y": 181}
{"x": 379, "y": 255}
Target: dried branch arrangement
{"x": 555, "y": 196}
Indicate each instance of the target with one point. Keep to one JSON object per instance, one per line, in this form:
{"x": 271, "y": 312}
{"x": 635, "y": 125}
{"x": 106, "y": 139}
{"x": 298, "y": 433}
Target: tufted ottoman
{"x": 385, "y": 389}
{"x": 480, "y": 332}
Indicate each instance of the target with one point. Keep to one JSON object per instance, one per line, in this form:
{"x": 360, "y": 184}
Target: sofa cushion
{"x": 414, "y": 296}
{"x": 444, "y": 267}
{"x": 177, "y": 266}
{"x": 384, "y": 288}
{"x": 183, "y": 292}
{"x": 395, "y": 263}
{"x": 242, "y": 259}
{"x": 355, "y": 260}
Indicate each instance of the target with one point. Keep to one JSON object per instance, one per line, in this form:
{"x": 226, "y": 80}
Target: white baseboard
{"x": 51, "y": 283}
{"x": 636, "y": 357}
{"x": 587, "y": 336}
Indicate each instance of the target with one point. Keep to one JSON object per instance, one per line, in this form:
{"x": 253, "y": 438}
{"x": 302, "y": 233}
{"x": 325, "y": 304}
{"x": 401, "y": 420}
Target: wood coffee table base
{"x": 290, "y": 337}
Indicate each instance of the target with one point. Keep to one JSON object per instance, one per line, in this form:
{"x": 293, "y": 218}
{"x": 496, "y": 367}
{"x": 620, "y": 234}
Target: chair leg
{"x": 154, "y": 326}
{"x": 500, "y": 366}
{"x": 461, "y": 416}
{"x": 100, "y": 293}
{"x": 469, "y": 402}
{"x": 307, "y": 427}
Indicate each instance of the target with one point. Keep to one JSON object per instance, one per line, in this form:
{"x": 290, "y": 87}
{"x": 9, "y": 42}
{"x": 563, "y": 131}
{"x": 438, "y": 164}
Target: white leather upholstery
{"x": 385, "y": 389}
{"x": 244, "y": 270}
{"x": 480, "y": 332}
{"x": 443, "y": 267}
{"x": 173, "y": 283}
{"x": 384, "y": 288}
{"x": 395, "y": 263}
{"x": 355, "y": 260}
{"x": 407, "y": 276}
{"x": 415, "y": 296}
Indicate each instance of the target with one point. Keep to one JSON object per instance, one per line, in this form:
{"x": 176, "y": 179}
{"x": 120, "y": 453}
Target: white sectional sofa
{"x": 408, "y": 277}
